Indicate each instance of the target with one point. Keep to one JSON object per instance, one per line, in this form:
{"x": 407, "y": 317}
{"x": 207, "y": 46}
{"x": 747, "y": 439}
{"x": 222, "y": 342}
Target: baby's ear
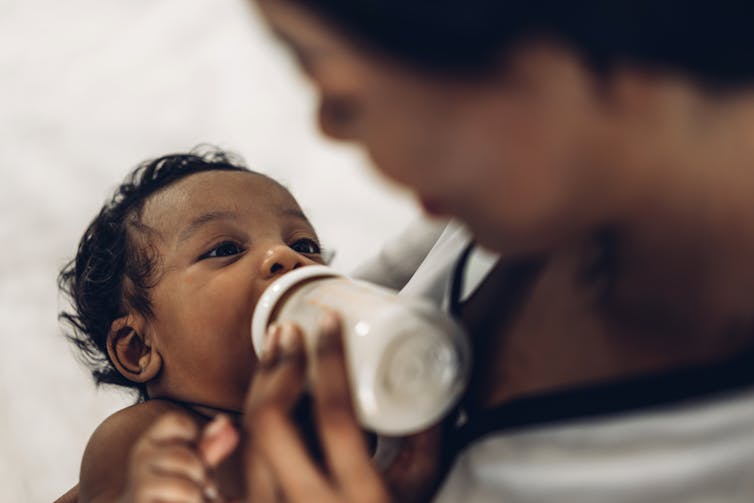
{"x": 131, "y": 350}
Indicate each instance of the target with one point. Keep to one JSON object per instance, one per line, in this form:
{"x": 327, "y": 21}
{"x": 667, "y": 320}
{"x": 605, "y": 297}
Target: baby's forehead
{"x": 215, "y": 191}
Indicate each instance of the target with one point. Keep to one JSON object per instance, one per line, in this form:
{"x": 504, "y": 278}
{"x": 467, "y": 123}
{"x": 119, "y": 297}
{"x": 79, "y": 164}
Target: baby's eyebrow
{"x": 294, "y": 212}
{"x": 204, "y": 219}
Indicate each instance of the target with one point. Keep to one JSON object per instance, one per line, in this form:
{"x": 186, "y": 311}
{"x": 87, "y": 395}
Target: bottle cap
{"x": 274, "y": 292}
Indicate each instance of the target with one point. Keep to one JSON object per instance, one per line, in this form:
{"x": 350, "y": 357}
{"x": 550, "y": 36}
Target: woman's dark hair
{"x": 115, "y": 267}
{"x": 710, "y": 40}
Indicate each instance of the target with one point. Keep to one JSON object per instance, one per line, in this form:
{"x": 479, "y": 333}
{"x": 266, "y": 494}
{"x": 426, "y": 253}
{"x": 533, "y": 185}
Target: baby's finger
{"x": 161, "y": 489}
{"x": 179, "y": 462}
{"x": 342, "y": 438}
{"x": 172, "y": 427}
{"x": 218, "y": 440}
{"x": 168, "y": 449}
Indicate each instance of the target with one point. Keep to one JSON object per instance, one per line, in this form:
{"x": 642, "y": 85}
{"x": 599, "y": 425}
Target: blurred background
{"x": 88, "y": 89}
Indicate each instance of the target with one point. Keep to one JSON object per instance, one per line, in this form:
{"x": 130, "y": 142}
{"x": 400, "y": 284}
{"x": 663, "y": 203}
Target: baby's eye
{"x": 226, "y": 249}
{"x": 306, "y": 246}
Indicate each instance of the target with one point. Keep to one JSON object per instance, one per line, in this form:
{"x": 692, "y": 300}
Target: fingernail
{"x": 289, "y": 339}
{"x": 211, "y": 493}
{"x": 328, "y": 332}
{"x": 216, "y": 425}
{"x": 270, "y": 338}
{"x": 329, "y": 323}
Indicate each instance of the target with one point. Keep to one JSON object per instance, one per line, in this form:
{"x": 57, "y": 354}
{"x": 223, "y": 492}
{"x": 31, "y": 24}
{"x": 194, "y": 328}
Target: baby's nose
{"x": 280, "y": 259}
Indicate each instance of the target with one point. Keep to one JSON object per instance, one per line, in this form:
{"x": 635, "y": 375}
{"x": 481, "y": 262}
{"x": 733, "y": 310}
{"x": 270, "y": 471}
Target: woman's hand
{"x": 173, "y": 460}
{"x": 278, "y": 464}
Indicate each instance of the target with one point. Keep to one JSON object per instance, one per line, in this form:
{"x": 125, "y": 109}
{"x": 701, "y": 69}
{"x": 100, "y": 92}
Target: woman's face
{"x": 506, "y": 154}
{"x": 221, "y": 237}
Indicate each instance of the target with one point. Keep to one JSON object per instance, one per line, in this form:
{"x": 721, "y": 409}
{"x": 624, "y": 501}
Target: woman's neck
{"x": 667, "y": 288}
{"x": 606, "y": 309}
{"x": 684, "y": 252}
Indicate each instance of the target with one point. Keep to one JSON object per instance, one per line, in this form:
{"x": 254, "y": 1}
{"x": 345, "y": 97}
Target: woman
{"x": 605, "y": 149}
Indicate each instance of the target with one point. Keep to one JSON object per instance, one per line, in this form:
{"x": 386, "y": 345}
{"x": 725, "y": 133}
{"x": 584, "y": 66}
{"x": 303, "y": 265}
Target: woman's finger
{"x": 413, "y": 473}
{"x": 342, "y": 438}
{"x": 260, "y": 482}
{"x": 281, "y": 374}
{"x": 172, "y": 427}
{"x": 278, "y": 445}
{"x": 274, "y": 445}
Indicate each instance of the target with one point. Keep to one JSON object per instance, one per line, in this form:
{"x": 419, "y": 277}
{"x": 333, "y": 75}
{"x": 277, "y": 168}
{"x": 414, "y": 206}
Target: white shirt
{"x": 692, "y": 452}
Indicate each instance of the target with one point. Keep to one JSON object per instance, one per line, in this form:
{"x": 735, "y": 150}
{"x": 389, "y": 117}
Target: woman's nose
{"x": 280, "y": 259}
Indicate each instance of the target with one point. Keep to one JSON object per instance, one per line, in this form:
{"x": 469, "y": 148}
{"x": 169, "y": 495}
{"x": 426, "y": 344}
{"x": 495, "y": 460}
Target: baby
{"x": 162, "y": 290}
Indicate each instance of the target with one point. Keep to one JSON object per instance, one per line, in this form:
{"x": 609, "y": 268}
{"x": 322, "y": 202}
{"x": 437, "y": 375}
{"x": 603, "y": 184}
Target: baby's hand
{"x": 172, "y": 461}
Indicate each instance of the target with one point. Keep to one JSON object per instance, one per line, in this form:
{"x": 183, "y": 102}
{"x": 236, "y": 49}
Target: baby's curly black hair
{"x": 113, "y": 271}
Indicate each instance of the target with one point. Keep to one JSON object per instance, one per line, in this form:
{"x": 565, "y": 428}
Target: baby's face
{"x": 222, "y": 237}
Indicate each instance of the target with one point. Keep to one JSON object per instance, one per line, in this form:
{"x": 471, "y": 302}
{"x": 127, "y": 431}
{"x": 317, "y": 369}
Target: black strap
{"x": 674, "y": 387}
{"x": 513, "y": 281}
{"x": 456, "y": 285}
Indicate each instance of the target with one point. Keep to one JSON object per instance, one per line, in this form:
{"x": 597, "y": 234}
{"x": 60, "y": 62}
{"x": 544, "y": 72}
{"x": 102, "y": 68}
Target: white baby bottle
{"x": 408, "y": 361}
